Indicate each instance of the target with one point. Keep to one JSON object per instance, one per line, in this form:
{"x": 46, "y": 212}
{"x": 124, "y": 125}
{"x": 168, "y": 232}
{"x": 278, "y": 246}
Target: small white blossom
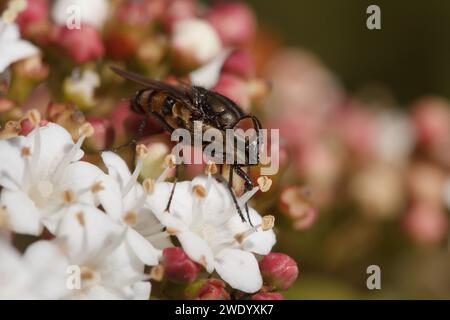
{"x": 12, "y": 47}
{"x": 204, "y": 219}
{"x": 42, "y": 177}
{"x": 39, "y": 274}
{"x": 109, "y": 269}
{"x": 128, "y": 208}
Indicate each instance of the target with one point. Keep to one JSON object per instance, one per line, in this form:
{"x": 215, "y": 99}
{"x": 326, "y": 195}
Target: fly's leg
{"x": 229, "y": 185}
{"x": 173, "y": 188}
{"x": 138, "y": 134}
{"x": 248, "y": 185}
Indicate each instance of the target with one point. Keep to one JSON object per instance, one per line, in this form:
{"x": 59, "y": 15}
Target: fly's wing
{"x": 182, "y": 93}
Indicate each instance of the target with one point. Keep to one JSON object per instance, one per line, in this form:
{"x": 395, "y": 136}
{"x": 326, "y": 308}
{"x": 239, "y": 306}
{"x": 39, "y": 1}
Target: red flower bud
{"x": 213, "y": 289}
{"x": 267, "y": 296}
{"x": 235, "y": 23}
{"x": 279, "y": 271}
{"x": 177, "y": 10}
{"x": 178, "y": 267}
{"x": 82, "y": 45}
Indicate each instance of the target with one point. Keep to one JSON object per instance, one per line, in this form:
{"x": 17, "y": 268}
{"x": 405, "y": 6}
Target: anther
{"x": 86, "y": 130}
{"x": 267, "y": 222}
{"x": 130, "y": 218}
{"x": 199, "y": 191}
{"x": 149, "y": 186}
{"x": 34, "y": 116}
{"x": 97, "y": 187}
{"x": 264, "y": 183}
{"x": 68, "y": 196}
{"x": 141, "y": 151}
{"x": 80, "y": 218}
{"x": 211, "y": 167}
{"x": 157, "y": 273}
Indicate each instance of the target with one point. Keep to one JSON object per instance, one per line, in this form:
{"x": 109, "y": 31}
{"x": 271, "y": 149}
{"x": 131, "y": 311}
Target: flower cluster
{"x": 99, "y": 230}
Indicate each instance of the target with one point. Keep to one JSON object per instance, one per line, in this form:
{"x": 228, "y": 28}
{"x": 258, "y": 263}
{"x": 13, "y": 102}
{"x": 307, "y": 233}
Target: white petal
{"x": 197, "y": 249}
{"x": 143, "y": 248}
{"x": 48, "y": 265}
{"x": 217, "y": 200}
{"x": 259, "y": 242}
{"x": 14, "y": 276}
{"x": 239, "y": 269}
{"x": 85, "y": 228}
{"x": 23, "y": 216}
{"x": 56, "y": 142}
{"x": 142, "y": 290}
{"x": 117, "y": 168}
{"x": 207, "y": 75}
{"x": 13, "y": 51}
{"x": 181, "y": 206}
{"x": 11, "y": 162}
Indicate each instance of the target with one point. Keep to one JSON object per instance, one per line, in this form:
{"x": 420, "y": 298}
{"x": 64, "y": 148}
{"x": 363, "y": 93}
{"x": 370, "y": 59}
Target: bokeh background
{"x": 378, "y": 212}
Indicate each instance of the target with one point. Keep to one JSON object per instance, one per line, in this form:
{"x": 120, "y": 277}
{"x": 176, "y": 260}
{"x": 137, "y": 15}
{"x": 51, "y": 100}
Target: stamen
{"x": 158, "y": 236}
{"x": 11, "y": 129}
{"x": 142, "y": 151}
{"x": 69, "y": 196}
{"x": 199, "y": 191}
{"x": 170, "y": 163}
{"x": 80, "y": 218}
{"x": 267, "y": 222}
{"x": 264, "y": 183}
{"x": 4, "y": 218}
{"x": 97, "y": 187}
{"x": 133, "y": 178}
{"x": 149, "y": 186}
{"x": 171, "y": 231}
{"x": 130, "y": 218}
{"x": 86, "y": 130}
{"x": 157, "y": 273}
{"x": 34, "y": 116}
{"x": 210, "y": 168}
{"x": 25, "y": 152}
{"x": 247, "y": 196}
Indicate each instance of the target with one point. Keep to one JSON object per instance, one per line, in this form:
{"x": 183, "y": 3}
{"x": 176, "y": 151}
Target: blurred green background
{"x": 410, "y": 54}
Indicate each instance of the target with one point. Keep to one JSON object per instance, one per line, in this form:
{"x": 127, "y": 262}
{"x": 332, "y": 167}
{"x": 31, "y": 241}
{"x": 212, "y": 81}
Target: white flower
{"x": 92, "y": 12}
{"x": 12, "y": 47}
{"x": 41, "y": 177}
{"x": 81, "y": 87}
{"x": 109, "y": 269}
{"x": 197, "y": 39}
{"x": 128, "y": 208}
{"x": 39, "y": 274}
{"x": 204, "y": 219}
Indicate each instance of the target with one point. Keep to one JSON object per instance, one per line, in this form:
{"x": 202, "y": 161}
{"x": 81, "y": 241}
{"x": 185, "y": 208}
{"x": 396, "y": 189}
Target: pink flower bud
{"x": 239, "y": 63}
{"x": 27, "y": 126}
{"x": 213, "y": 289}
{"x": 279, "y": 271}
{"x": 234, "y": 88}
{"x": 431, "y": 117}
{"x": 426, "y": 223}
{"x": 267, "y": 296}
{"x": 140, "y": 13}
{"x": 6, "y": 104}
{"x": 235, "y": 23}
{"x": 34, "y": 16}
{"x": 177, "y": 10}
{"x": 178, "y": 267}
{"x": 103, "y": 135}
{"x": 82, "y": 45}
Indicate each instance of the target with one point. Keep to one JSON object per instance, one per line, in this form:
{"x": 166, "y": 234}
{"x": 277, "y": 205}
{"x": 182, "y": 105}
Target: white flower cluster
{"x": 110, "y": 226}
